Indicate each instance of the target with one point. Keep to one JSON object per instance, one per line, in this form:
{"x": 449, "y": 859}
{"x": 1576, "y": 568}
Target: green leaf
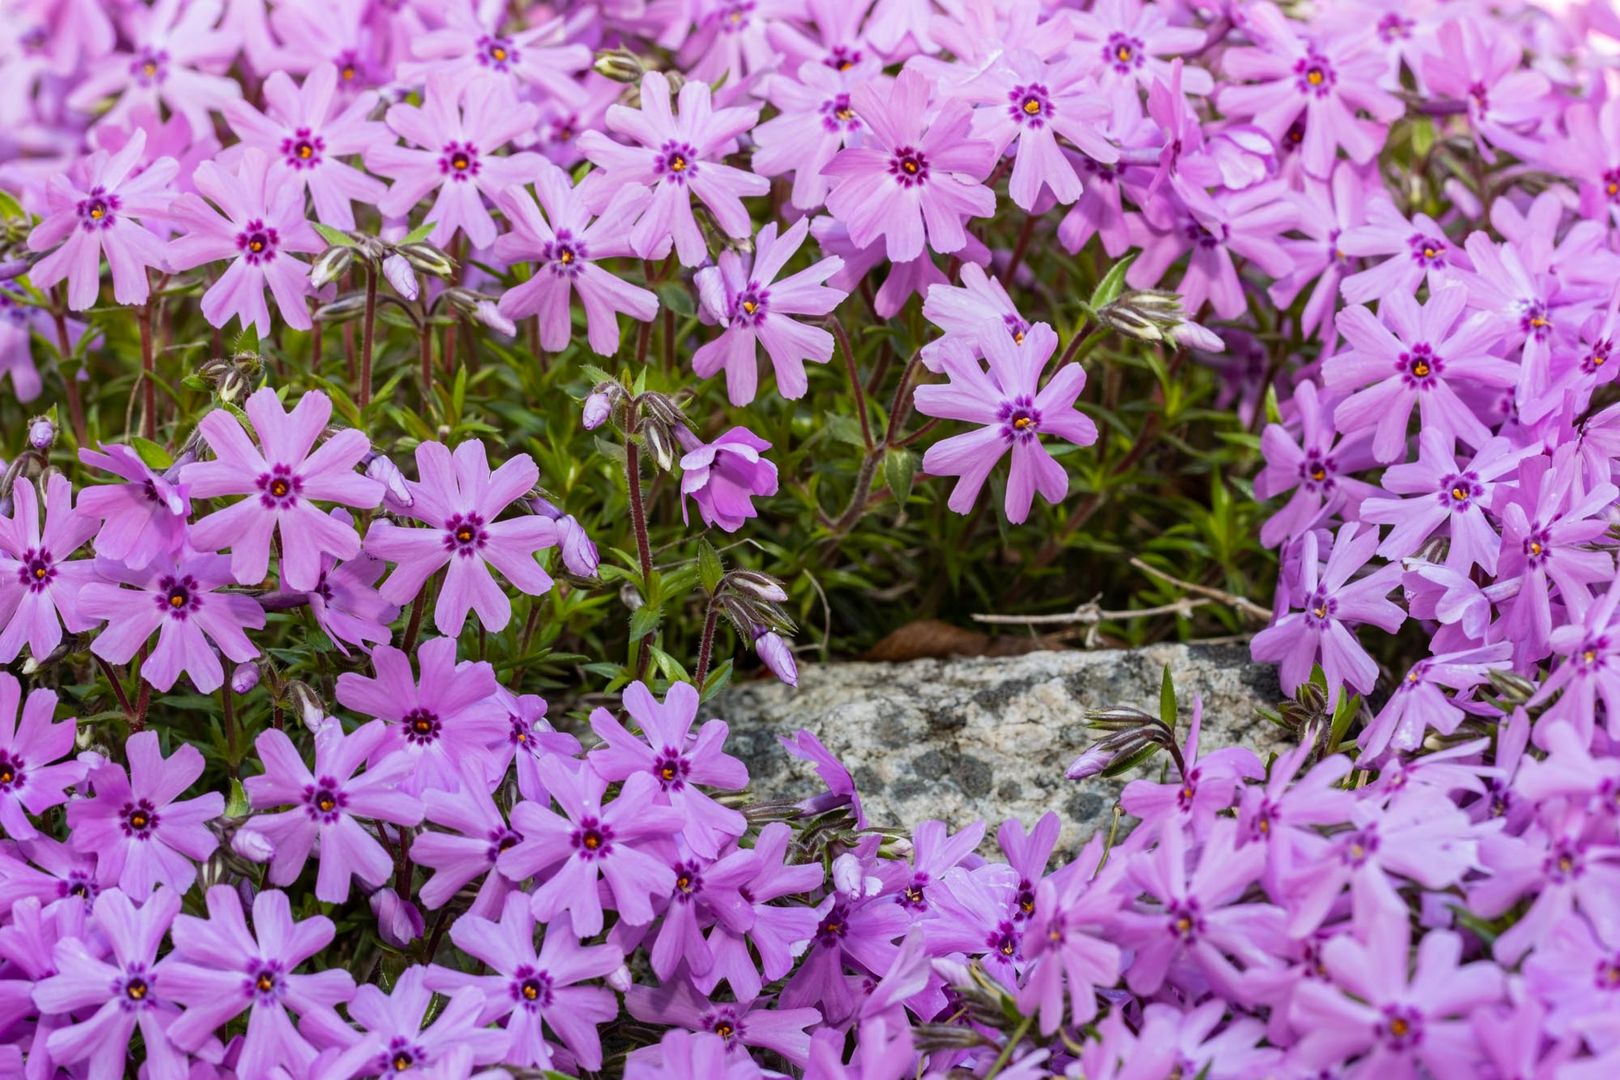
{"x": 846, "y": 429}
{"x": 155, "y": 456}
{"x": 237, "y": 805}
{"x": 1121, "y": 766}
{"x": 644, "y": 621}
{"x": 1113, "y": 283}
{"x": 709, "y": 565}
{"x": 420, "y": 233}
{"x": 717, "y": 680}
{"x": 11, "y": 209}
{"x": 899, "y": 469}
{"x": 675, "y": 296}
{"x": 335, "y": 237}
{"x": 1167, "y": 700}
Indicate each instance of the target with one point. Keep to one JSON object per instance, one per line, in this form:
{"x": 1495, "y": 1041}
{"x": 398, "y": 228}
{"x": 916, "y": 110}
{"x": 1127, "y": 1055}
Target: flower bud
{"x": 253, "y": 845}
{"x": 342, "y": 309}
{"x": 619, "y": 979}
{"x": 1092, "y": 760}
{"x": 849, "y": 876}
{"x": 620, "y": 65}
{"x": 330, "y": 265}
{"x": 397, "y": 269}
{"x": 761, "y": 585}
{"x": 309, "y": 705}
{"x": 598, "y": 406}
{"x": 396, "y": 493}
{"x": 487, "y": 313}
{"x": 428, "y": 259}
{"x": 41, "y": 433}
{"x": 244, "y": 678}
{"x": 398, "y": 921}
{"x": 776, "y": 656}
{"x": 659, "y": 445}
{"x": 578, "y": 553}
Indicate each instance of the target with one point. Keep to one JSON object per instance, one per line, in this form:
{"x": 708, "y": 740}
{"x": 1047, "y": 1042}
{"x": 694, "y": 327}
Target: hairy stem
{"x": 368, "y": 334}
{"x": 711, "y": 619}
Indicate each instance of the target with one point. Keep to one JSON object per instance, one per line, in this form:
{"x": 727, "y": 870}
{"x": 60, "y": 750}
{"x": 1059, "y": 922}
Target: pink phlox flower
{"x": 447, "y": 719}
{"x": 916, "y": 177}
{"x": 220, "y": 969}
{"x": 676, "y": 759}
{"x": 473, "y": 837}
{"x": 1068, "y": 948}
{"x": 1575, "y": 971}
{"x": 1330, "y": 603}
{"x": 1129, "y": 44}
{"x": 1567, "y": 863}
{"x": 452, "y": 140}
{"x": 281, "y": 479}
{"x": 1209, "y": 785}
{"x": 1027, "y": 855}
{"x": 395, "y": 1039}
{"x": 1442, "y": 493}
{"x": 967, "y": 312}
{"x": 1233, "y": 1053}
{"x": 345, "y": 601}
{"x": 310, "y": 134}
{"x": 934, "y": 851}
{"x": 48, "y": 871}
{"x": 744, "y": 296}
{"x": 143, "y": 834}
{"x": 732, "y": 38}
{"x": 738, "y": 1025}
{"x": 1415, "y": 356}
{"x": 591, "y": 841}
{"x": 1324, "y": 83}
{"x": 256, "y": 221}
{"x": 171, "y": 138}
{"x": 1014, "y": 412}
{"x": 677, "y": 156}
{"x": 1415, "y": 251}
{"x": 1328, "y": 211}
{"x": 1577, "y": 371}
{"x": 180, "y": 599}
{"x": 705, "y": 892}
{"x": 529, "y": 738}
{"x": 39, "y": 581}
{"x": 1591, "y": 155}
{"x": 343, "y": 34}
{"x": 1318, "y": 465}
{"x": 564, "y": 245}
{"x": 839, "y": 41}
{"x": 327, "y": 805}
{"x": 469, "y": 48}
{"x": 814, "y": 120}
{"x": 1419, "y": 703}
{"x": 775, "y": 932}
{"x": 33, "y": 776}
{"x": 101, "y": 208}
{"x": 562, "y": 122}
{"x": 683, "y": 1052}
{"x": 1192, "y": 927}
{"x": 1481, "y": 64}
{"x": 459, "y": 499}
{"x": 804, "y": 745}
{"x": 142, "y": 519}
{"x": 724, "y": 476}
{"x": 1287, "y": 812}
{"x": 176, "y": 57}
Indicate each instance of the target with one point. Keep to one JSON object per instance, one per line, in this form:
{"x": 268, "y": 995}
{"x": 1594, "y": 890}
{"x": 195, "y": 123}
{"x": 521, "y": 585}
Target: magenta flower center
{"x": 349, "y": 67}
{"x": 1016, "y": 327}
{"x": 1317, "y": 471}
{"x": 671, "y": 767}
{"x": 302, "y": 150}
{"x": 1394, "y": 27}
{"x": 1420, "y": 369}
{"x": 323, "y": 801}
{"x": 98, "y": 209}
{"x": 1004, "y": 940}
{"x": 1359, "y": 846}
{"x": 1537, "y": 547}
{"x": 676, "y": 162}
{"x": 726, "y": 1024}
{"x": 1203, "y": 238}
{"x": 150, "y": 66}
{"x": 1029, "y": 105}
{"x": 1427, "y": 251}
{"x": 177, "y": 597}
{"x": 257, "y": 242}
{"x": 1123, "y": 53}
{"x": 464, "y": 534}
{"x": 592, "y": 839}
{"x": 688, "y": 881}
{"x": 265, "y": 983}
{"x": 842, "y": 57}
{"x": 531, "y": 989}
{"x": 38, "y": 569}
{"x": 138, "y": 819}
{"x": 565, "y": 254}
{"x": 734, "y": 16}
{"x": 459, "y": 161}
{"x": 1401, "y": 1027}
{"x": 1534, "y": 320}
{"x": 909, "y": 167}
{"x": 1020, "y": 420}
{"x": 831, "y": 930}
{"x": 1313, "y": 75}
{"x": 12, "y": 774}
{"x": 1459, "y": 491}
{"x": 1186, "y": 921}
{"x": 497, "y": 53}
{"x": 1611, "y": 184}
{"x": 751, "y": 304}
{"x": 279, "y": 488}
{"x": 1597, "y": 356}
{"x": 401, "y": 1055}
{"x": 1319, "y": 609}
{"x": 1608, "y": 974}
{"x": 914, "y": 897}
{"x": 421, "y": 727}
{"x": 134, "y": 988}
{"x": 501, "y": 839}
{"x": 1563, "y": 863}
{"x": 1024, "y": 902}
{"x": 838, "y": 115}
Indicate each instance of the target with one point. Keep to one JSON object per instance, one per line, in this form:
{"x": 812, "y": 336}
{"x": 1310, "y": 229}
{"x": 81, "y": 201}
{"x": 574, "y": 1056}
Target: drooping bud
{"x": 330, "y": 265}
{"x": 487, "y": 313}
{"x": 244, "y": 678}
{"x": 761, "y": 585}
{"x": 396, "y": 493}
{"x": 41, "y": 433}
{"x": 308, "y": 703}
{"x": 253, "y": 845}
{"x": 397, "y": 269}
{"x": 398, "y": 921}
{"x": 598, "y": 407}
{"x": 777, "y": 657}
{"x": 428, "y": 259}
{"x": 578, "y": 552}
{"x": 620, "y": 65}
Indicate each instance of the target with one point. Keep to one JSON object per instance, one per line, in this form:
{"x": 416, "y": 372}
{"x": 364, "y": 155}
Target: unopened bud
{"x": 659, "y": 444}
{"x": 428, "y": 259}
{"x": 598, "y": 406}
{"x": 776, "y": 656}
{"x": 41, "y": 433}
{"x": 330, "y": 265}
{"x": 578, "y": 553}
{"x": 244, "y": 678}
{"x": 761, "y": 585}
{"x": 253, "y": 845}
{"x": 396, "y": 492}
{"x": 398, "y": 921}
{"x": 342, "y": 309}
{"x": 310, "y": 708}
{"x": 620, "y": 65}
{"x": 619, "y": 979}
{"x": 397, "y": 269}
{"x": 487, "y": 313}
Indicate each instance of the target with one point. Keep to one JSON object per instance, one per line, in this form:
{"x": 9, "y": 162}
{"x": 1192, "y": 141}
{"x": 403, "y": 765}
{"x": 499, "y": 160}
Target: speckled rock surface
{"x": 986, "y": 737}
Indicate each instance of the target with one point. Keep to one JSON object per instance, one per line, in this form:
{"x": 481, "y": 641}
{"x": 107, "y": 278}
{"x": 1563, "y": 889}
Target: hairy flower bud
{"x": 598, "y": 407}
{"x": 487, "y": 313}
{"x": 396, "y": 493}
{"x": 398, "y": 921}
{"x": 660, "y": 447}
{"x": 578, "y": 552}
{"x": 308, "y": 703}
{"x": 41, "y": 433}
{"x": 620, "y": 65}
{"x": 342, "y": 309}
{"x": 244, "y": 678}
{"x": 428, "y": 259}
{"x": 253, "y": 845}
{"x": 330, "y": 265}
{"x": 777, "y": 657}
{"x": 397, "y": 269}
{"x": 761, "y": 585}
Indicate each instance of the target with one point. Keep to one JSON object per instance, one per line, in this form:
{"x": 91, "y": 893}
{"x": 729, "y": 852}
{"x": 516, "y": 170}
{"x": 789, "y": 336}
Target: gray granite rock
{"x": 987, "y": 737}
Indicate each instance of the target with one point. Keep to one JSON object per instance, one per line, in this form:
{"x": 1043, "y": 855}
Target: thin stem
{"x": 427, "y": 364}
{"x": 669, "y": 340}
{"x": 148, "y": 373}
{"x": 1075, "y": 342}
{"x": 64, "y": 350}
{"x": 638, "y": 521}
{"x": 1020, "y": 246}
{"x": 711, "y": 619}
{"x": 1012, "y": 1044}
{"x": 117, "y": 687}
{"x": 368, "y": 336}
{"x": 414, "y": 627}
{"x": 854, "y": 380}
{"x": 231, "y": 756}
